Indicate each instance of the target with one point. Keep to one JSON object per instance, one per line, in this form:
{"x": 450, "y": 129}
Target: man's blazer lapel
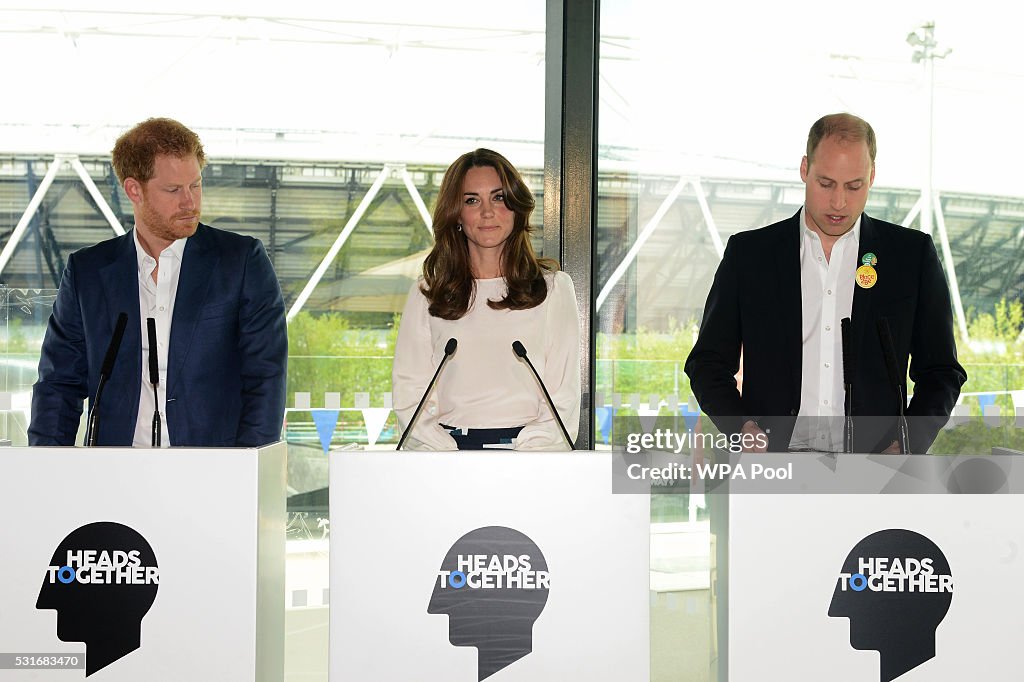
{"x": 862, "y": 319}
{"x": 119, "y": 281}
{"x": 790, "y": 304}
{"x": 198, "y": 263}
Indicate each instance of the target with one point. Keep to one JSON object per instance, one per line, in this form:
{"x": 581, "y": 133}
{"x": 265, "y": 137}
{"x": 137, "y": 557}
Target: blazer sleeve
{"x": 561, "y": 371}
{"x": 263, "y": 351}
{"x": 715, "y": 358}
{"x": 62, "y": 385}
{"x": 411, "y": 372}
{"x": 934, "y": 369}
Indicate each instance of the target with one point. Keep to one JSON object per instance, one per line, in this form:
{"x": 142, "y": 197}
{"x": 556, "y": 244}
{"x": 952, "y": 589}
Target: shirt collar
{"x": 175, "y": 250}
{"x": 807, "y": 232}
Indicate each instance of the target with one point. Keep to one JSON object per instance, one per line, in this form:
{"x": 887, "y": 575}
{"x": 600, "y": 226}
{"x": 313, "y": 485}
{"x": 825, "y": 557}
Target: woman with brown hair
{"x": 484, "y": 286}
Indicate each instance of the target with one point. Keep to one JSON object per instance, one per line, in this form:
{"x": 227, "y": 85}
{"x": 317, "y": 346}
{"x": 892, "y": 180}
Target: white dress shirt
{"x": 156, "y": 300}
{"x": 826, "y": 292}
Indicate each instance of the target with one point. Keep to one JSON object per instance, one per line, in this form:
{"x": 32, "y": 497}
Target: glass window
{"x": 704, "y": 116}
{"x": 703, "y": 126}
{"x": 328, "y": 131}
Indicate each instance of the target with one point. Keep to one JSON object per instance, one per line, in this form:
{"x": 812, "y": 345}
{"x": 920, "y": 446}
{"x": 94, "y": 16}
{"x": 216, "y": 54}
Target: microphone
{"x": 154, "y": 379}
{"x": 520, "y": 350}
{"x": 891, "y": 368}
{"x": 845, "y": 325}
{"x": 93, "y": 427}
{"x": 449, "y": 350}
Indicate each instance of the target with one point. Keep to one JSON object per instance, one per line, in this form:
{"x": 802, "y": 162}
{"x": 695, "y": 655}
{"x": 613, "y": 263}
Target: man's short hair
{"x": 135, "y": 151}
{"x": 845, "y": 127}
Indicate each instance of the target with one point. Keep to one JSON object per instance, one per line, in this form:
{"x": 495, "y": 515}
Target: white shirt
{"x": 484, "y": 384}
{"x": 156, "y": 300}
{"x": 826, "y": 292}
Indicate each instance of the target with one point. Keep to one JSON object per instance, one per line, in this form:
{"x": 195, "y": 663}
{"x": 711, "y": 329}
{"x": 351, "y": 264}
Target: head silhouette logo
{"x": 895, "y": 587}
{"x": 102, "y": 579}
{"x": 493, "y": 584}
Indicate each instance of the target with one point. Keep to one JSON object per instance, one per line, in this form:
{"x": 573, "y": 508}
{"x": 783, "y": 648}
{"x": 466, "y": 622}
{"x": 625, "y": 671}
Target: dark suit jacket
{"x": 226, "y": 359}
{"x": 755, "y": 305}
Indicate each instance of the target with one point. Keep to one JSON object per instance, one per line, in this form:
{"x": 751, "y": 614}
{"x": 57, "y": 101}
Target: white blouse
{"x": 484, "y": 384}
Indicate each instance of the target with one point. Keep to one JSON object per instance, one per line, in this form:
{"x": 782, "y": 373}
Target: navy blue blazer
{"x": 755, "y": 305}
{"x": 227, "y": 356}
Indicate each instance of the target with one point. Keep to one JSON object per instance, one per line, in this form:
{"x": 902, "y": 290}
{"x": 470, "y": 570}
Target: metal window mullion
{"x": 570, "y": 167}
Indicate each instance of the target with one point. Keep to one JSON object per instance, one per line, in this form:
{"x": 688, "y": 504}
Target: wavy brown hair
{"x": 135, "y": 152}
{"x": 450, "y": 285}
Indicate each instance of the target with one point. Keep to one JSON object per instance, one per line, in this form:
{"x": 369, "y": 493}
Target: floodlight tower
{"x": 926, "y": 52}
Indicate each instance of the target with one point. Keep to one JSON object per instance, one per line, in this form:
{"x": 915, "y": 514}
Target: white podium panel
{"x": 145, "y": 564}
{"x": 859, "y": 587}
{"x": 503, "y": 565}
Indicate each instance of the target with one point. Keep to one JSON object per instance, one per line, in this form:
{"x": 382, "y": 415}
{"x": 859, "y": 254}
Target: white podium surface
{"x": 397, "y": 519}
{"x": 214, "y": 520}
{"x": 786, "y": 553}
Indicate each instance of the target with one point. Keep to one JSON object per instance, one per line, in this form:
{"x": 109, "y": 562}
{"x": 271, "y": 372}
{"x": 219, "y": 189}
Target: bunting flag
{"x": 326, "y": 421}
{"x": 375, "y": 417}
{"x": 604, "y": 422}
{"x": 961, "y": 415}
{"x": 689, "y": 416}
{"x": 647, "y": 421}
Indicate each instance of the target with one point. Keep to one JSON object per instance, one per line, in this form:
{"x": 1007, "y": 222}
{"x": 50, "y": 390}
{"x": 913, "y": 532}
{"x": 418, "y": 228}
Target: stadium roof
{"x": 712, "y": 89}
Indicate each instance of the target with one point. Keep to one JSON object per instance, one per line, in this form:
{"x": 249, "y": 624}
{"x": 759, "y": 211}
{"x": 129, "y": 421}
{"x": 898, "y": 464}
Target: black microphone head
{"x": 154, "y": 361}
{"x": 449, "y": 347}
{"x": 115, "y": 344}
{"x": 888, "y": 351}
{"x": 846, "y": 326}
{"x": 519, "y": 349}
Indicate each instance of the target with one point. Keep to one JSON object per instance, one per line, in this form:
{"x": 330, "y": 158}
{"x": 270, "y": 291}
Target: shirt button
{"x": 828, "y": 327}
{"x": 828, "y": 364}
{"x": 161, "y": 308}
{"x": 825, "y": 402}
{"x": 829, "y": 292}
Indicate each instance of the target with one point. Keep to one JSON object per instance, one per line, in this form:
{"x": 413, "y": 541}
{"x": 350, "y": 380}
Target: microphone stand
{"x": 92, "y": 431}
{"x": 449, "y": 349}
{"x": 154, "y": 379}
{"x": 848, "y": 360}
{"x": 520, "y": 350}
{"x": 889, "y": 355}
{"x": 93, "y": 428}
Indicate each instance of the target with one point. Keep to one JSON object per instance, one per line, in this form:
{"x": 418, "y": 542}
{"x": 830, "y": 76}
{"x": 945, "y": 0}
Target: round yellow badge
{"x": 866, "y": 276}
